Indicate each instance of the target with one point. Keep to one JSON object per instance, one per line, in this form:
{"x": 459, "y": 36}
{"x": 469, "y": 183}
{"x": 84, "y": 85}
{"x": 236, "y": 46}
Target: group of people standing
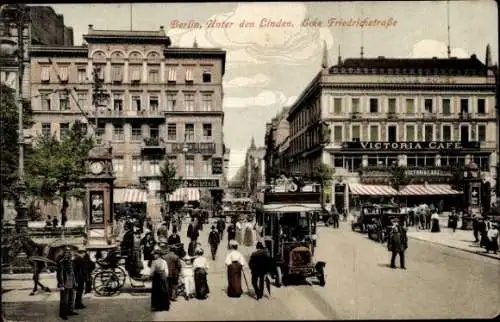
{"x": 73, "y": 280}
{"x": 485, "y": 233}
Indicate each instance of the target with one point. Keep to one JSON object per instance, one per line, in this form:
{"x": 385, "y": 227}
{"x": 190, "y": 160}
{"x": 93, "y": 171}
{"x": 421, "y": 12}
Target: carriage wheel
{"x": 106, "y": 283}
{"x": 321, "y": 276}
{"x": 279, "y": 277}
{"x": 120, "y": 273}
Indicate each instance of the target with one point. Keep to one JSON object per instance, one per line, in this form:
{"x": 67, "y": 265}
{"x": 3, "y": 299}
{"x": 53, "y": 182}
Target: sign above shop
{"x": 202, "y": 183}
{"x": 409, "y": 146}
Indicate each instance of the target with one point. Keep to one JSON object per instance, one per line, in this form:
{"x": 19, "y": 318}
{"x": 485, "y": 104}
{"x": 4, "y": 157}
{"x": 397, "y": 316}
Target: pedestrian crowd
{"x": 175, "y": 272}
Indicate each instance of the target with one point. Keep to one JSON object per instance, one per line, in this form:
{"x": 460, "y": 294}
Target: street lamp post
{"x": 185, "y": 149}
{"x": 17, "y": 15}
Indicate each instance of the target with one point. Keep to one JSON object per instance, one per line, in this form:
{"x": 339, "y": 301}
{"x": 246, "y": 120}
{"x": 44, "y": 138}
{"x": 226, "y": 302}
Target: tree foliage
{"x": 398, "y": 177}
{"x": 55, "y": 167}
{"x": 323, "y": 174}
{"x": 168, "y": 181}
{"x": 9, "y": 153}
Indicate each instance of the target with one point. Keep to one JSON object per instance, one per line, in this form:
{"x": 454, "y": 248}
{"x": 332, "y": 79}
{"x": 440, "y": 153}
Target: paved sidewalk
{"x": 460, "y": 239}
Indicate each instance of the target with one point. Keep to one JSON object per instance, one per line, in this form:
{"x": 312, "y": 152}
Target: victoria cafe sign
{"x": 409, "y": 146}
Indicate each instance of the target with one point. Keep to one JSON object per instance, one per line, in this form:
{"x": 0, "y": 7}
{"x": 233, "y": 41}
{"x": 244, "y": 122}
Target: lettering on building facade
{"x": 409, "y": 146}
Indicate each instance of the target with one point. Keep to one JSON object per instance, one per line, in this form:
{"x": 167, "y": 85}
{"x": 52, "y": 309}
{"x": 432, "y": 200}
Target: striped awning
{"x": 428, "y": 190}
{"x": 185, "y": 194}
{"x": 129, "y": 195}
{"x": 371, "y": 190}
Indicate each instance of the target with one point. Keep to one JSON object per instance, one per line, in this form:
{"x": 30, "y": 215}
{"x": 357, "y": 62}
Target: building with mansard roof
{"x": 159, "y": 103}
{"x": 427, "y": 116}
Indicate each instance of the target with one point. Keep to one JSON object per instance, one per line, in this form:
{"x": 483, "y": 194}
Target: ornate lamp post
{"x": 18, "y": 15}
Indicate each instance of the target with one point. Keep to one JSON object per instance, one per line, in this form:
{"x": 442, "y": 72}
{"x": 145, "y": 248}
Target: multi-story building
{"x": 277, "y": 144}
{"x": 43, "y": 27}
{"x": 254, "y": 178}
{"x": 160, "y": 103}
{"x": 424, "y": 115}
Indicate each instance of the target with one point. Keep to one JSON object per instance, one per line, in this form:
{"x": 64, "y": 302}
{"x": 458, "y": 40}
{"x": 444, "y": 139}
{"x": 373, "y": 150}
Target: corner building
{"x": 425, "y": 115}
{"x": 159, "y": 103}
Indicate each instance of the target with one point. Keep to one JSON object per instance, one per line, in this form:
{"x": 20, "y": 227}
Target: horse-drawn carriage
{"x": 288, "y": 224}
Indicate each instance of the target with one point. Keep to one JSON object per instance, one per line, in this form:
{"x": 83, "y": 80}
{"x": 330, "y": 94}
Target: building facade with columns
{"x": 160, "y": 103}
{"x": 425, "y": 116}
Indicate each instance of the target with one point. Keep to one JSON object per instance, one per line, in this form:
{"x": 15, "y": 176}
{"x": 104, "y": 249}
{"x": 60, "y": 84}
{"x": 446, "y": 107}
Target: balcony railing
{"x": 153, "y": 145}
{"x": 392, "y": 115}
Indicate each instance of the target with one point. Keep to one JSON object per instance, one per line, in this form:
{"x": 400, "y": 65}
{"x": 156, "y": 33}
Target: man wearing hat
{"x": 260, "y": 265}
{"x": 397, "y": 243}
{"x": 174, "y": 270}
{"x": 66, "y": 284}
{"x": 213, "y": 241}
{"x": 81, "y": 266}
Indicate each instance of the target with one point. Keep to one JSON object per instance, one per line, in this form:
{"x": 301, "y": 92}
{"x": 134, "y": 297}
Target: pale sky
{"x": 268, "y": 67}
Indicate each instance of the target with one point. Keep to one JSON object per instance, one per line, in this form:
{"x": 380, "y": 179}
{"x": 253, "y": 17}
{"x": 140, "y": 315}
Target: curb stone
{"x": 455, "y": 247}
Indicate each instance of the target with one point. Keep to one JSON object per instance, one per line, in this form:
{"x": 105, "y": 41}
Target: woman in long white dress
{"x": 188, "y": 276}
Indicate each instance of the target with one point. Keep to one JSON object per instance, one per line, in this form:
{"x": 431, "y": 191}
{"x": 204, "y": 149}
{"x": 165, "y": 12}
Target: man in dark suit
{"x": 259, "y": 264}
{"x": 66, "y": 283}
{"x": 397, "y": 243}
{"x": 81, "y": 267}
{"x": 174, "y": 270}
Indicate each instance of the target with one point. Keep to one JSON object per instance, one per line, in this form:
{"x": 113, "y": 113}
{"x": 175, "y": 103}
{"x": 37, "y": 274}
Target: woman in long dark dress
{"x": 160, "y": 299}
{"x": 435, "y": 223}
{"x": 148, "y": 244}
{"x": 200, "y": 266}
{"x": 234, "y": 263}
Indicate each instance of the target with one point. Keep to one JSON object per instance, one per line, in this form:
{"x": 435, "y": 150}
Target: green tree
{"x": 55, "y": 167}
{"x": 398, "y": 177}
{"x": 323, "y": 174}
{"x": 9, "y": 151}
{"x": 169, "y": 183}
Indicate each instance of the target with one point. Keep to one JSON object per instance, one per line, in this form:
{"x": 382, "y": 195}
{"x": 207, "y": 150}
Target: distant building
{"x": 45, "y": 27}
{"x": 161, "y": 103}
{"x": 277, "y": 146}
{"x": 254, "y": 178}
{"x": 363, "y": 116}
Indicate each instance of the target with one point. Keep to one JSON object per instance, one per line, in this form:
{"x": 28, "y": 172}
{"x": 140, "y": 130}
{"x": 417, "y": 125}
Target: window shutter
{"x": 172, "y": 75}
{"x": 189, "y": 75}
{"x": 45, "y": 74}
{"x": 117, "y": 74}
{"x": 64, "y": 74}
{"x": 136, "y": 75}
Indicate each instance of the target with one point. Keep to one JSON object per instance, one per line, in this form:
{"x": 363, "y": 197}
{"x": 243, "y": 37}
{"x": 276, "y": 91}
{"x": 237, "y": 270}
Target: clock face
{"x": 96, "y": 167}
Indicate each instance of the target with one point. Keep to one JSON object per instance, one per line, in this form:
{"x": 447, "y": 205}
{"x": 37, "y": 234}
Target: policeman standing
{"x": 397, "y": 243}
{"x": 66, "y": 283}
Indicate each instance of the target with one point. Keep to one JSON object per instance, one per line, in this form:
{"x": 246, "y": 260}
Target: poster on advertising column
{"x": 96, "y": 207}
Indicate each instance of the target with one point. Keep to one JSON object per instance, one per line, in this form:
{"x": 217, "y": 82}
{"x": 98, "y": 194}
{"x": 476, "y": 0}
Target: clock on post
{"x": 99, "y": 181}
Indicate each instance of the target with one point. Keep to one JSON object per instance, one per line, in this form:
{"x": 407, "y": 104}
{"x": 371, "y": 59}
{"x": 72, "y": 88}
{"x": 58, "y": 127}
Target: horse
{"x": 32, "y": 249}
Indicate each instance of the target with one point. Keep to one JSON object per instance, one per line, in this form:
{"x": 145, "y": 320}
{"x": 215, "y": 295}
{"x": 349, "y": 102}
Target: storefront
{"x": 421, "y": 171}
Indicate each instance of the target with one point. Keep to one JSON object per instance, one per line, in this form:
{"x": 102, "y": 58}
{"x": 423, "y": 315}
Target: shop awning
{"x": 292, "y": 207}
{"x": 185, "y": 194}
{"x": 428, "y": 190}
{"x": 129, "y": 195}
{"x": 371, "y": 190}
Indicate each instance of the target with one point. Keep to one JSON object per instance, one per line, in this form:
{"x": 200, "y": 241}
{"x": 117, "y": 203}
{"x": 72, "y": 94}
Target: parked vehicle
{"x": 288, "y": 222}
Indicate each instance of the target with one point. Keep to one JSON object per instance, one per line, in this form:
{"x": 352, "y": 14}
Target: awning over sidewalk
{"x": 292, "y": 207}
{"x": 129, "y": 195}
{"x": 428, "y": 190}
{"x": 371, "y": 190}
{"x": 185, "y": 194}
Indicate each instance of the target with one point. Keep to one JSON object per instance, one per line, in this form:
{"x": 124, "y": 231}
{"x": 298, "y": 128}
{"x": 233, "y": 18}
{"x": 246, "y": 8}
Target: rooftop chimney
{"x": 91, "y": 27}
{"x": 161, "y": 27}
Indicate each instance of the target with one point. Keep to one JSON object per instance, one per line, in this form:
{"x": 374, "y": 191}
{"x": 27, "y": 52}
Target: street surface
{"x": 440, "y": 282}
